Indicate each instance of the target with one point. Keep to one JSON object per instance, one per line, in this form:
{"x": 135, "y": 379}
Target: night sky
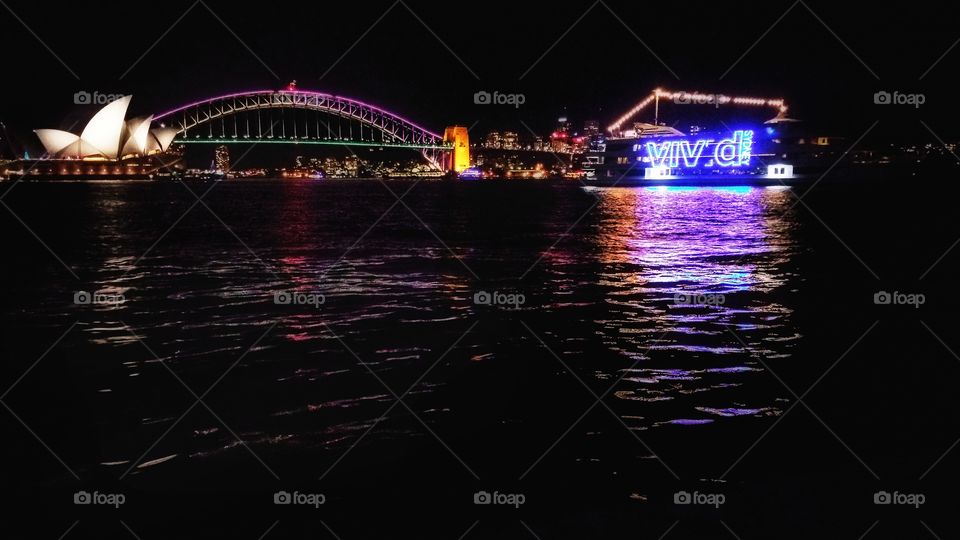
{"x": 598, "y": 69}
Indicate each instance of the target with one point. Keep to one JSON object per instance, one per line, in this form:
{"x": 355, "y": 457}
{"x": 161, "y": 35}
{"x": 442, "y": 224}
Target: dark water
{"x": 495, "y": 398}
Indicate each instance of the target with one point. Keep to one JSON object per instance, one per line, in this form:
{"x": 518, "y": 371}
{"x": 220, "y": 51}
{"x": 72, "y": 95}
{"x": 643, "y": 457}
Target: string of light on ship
{"x": 697, "y": 98}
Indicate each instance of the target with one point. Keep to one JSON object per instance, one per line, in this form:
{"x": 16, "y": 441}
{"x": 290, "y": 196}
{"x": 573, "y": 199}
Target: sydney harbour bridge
{"x": 294, "y": 116}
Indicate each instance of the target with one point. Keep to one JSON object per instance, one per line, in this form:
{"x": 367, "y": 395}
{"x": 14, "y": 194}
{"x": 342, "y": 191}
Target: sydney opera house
{"x": 109, "y": 145}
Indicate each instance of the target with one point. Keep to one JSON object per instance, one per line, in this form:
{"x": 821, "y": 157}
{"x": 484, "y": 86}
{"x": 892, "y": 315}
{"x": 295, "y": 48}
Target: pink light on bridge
{"x": 295, "y": 91}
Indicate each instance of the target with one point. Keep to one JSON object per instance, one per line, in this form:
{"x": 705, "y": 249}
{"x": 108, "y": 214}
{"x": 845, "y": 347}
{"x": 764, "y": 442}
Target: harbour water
{"x": 596, "y": 349}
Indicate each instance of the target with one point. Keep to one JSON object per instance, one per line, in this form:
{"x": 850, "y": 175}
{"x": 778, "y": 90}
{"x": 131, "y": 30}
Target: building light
{"x": 779, "y": 170}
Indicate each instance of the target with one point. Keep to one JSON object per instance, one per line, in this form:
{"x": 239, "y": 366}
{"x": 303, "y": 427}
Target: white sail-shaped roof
{"x": 161, "y": 139}
{"x": 75, "y": 150}
{"x": 108, "y": 135}
{"x": 138, "y": 132}
{"x": 55, "y": 141}
{"x": 103, "y": 132}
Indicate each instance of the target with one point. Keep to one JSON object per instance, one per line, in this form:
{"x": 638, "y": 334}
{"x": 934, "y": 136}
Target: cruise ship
{"x": 740, "y": 151}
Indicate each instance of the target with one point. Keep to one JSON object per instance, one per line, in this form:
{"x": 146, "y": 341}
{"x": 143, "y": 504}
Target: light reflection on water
{"x": 603, "y": 297}
{"x": 655, "y": 243}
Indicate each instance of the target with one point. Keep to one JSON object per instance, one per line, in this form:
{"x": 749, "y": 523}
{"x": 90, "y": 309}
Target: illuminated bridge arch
{"x": 296, "y": 117}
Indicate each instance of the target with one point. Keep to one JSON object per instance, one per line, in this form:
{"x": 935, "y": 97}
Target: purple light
{"x": 690, "y": 421}
{"x": 472, "y": 173}
{"x": 305, "y": 92}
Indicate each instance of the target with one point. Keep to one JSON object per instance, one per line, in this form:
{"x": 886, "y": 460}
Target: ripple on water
{"x": 606, "y": 294}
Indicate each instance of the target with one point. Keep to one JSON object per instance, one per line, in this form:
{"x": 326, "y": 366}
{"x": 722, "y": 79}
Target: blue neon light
{"x": 731, "y": 152}
{"x": 472, "y": 173}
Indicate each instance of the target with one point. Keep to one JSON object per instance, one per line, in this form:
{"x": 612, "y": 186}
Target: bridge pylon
{"x": 458, "y": 158}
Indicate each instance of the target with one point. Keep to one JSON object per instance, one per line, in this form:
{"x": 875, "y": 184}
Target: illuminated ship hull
{"x": 719, "y": 180}
{"x": 739, "y": 157}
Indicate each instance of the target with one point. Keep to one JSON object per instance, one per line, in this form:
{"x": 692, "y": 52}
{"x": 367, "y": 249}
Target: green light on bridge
{"x": 372, "y": 144}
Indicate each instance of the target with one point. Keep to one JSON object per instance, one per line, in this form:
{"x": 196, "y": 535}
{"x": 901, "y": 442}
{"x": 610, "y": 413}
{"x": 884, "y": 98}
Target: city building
{"x": 108, "y": 146}
{"x": 221, "y": 158}
{"x": 560, "y": 138}
{"x": 352, "y": 166}
{"x": 511, "y": 141}
{"x": 591, "y": 128}
{"x": 108, "y": 136}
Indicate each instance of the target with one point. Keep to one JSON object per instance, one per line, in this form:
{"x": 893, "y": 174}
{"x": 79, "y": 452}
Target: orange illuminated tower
{"x": 459, "y": 157}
